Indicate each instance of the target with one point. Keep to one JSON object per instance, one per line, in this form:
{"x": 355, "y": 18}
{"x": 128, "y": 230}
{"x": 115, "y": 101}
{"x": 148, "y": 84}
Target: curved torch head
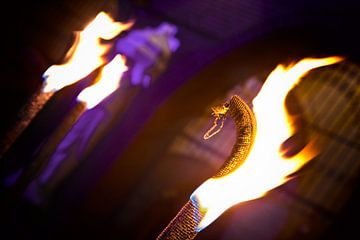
{"x": 264, "y": 168}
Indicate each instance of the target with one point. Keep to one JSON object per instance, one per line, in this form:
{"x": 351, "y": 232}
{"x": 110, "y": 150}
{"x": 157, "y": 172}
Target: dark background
{"x": 37, "y": 35}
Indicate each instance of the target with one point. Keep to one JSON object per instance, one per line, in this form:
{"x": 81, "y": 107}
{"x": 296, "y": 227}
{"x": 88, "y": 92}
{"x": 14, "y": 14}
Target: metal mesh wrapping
{"x": 245, "y": 124}
{"x": 183, "y": 225}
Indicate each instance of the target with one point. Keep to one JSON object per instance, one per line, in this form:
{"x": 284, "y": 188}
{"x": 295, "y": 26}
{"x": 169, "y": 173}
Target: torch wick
{"x": 220, "y": 114}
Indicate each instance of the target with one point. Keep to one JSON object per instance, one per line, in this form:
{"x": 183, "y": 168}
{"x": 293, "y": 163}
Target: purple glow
{"x": 149, "y": 50}
{"x": 67, "y": 156}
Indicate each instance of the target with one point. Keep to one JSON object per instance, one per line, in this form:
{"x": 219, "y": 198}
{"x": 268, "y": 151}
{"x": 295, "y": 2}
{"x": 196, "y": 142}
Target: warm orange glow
{"x": 265, "y": 168}
{"x": 86, "y": 55}
{"x": 106, "y": 83}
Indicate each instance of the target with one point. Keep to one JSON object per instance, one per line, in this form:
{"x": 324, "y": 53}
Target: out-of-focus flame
{"x": 86, "y": 54}
{"x": 264, "y": 168}
{"x": 106, "y": 83}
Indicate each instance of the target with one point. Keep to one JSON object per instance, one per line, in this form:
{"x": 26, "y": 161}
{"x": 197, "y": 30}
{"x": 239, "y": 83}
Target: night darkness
{"x": 131, "y": 181}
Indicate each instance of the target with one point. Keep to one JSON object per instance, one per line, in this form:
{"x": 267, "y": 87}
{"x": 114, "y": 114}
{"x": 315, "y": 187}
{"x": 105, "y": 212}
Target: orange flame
{"x": 264, "y": 168}
{"x": 86, "y": 54}
{"x": 106, "y": 83}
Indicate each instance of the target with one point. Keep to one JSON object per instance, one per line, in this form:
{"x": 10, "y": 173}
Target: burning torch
{"x": 87, "y": 54}
{"x": 146, "y": 52}
{"x": 257, "y": 163}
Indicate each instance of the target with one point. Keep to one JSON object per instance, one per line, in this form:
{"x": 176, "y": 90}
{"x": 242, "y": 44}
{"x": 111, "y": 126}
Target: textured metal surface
{"x": 182, "y": 227}
{"x": 245, "y": 134}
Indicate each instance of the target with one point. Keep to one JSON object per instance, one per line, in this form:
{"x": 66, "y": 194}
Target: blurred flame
{"x": 86, "y": 54}
{"x": 106, "y": 83}
{"x": 264, "y": 168}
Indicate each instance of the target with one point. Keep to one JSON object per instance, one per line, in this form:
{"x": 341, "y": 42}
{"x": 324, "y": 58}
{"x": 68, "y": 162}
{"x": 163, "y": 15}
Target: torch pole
{"x": 27, "y": 114}
{"x": 183, "y": 225}
{"x": 48, "y": 148}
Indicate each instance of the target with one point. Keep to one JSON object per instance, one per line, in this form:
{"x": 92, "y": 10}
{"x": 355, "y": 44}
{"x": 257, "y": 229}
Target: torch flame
{"x": 86, "y": 54}
{"x": 107, "y": 82}
{"x": 265, "y": 168}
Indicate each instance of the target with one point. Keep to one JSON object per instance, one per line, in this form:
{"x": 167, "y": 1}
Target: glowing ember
{"x": 265, "y": 168}
{"x": 106, "y": 83}
{"x": 87, "y": 53}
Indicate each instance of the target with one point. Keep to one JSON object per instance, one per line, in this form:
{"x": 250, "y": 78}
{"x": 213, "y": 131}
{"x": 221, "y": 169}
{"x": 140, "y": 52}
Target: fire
{"x": 106, "y": 83}
{"x": 264, "y": 168}
{"x": 87, "y": 53}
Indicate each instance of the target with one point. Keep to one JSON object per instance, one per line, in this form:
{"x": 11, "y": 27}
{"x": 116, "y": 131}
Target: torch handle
{"x": 26, "y": 115}
{"x": 183, "y": 225}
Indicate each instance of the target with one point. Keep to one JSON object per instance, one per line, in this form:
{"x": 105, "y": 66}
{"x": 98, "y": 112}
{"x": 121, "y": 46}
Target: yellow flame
{"x": 264, "y": 168}
{"x": 106, "y": 83}
{"x": 86, "y": 55}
